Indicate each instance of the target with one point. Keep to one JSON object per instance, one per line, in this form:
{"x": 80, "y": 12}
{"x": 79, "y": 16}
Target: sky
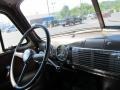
{"x": 32, "y": 7}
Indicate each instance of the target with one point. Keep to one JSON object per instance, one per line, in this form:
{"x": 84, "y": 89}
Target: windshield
{"x": 110, "y": 11}
{"x": 61, "y": 16}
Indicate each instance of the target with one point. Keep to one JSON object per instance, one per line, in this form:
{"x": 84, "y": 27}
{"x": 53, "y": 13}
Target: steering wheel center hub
{"x": 27, "y": 55}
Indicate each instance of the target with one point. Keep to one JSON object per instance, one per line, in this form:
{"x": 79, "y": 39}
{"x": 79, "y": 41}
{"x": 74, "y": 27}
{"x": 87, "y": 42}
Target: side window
{"x": 10, "y": 34}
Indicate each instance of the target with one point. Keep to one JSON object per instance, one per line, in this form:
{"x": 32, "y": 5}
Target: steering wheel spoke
{"x": 18, "y": 54}
{"x": 22, "y": 74}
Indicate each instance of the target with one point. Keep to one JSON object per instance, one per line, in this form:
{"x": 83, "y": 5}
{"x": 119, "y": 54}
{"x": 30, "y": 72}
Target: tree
{"x": 106, "y": 5}
{"x": 65, "y": 12}
{"x": 86, "y": 9}
{"x": 75, "y": 11}
{"x": 116, "y": 6}
{"x": 110, "y": 5}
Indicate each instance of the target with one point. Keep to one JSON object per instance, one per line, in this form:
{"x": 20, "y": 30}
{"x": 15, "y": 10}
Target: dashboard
{"x": 98, "y": 60}
{"x": 100, "y": 56}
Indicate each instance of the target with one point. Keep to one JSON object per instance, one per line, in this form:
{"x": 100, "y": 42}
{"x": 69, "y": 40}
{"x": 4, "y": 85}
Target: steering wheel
{"x": 26, "y": 57}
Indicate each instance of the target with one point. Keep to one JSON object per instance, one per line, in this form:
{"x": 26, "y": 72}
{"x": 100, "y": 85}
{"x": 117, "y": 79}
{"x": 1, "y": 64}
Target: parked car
{"x": 54, "y": 23}
{"x": 78, "y": 20}
{"x": 68, "y": 21}
{"x": 10, "y": 29}
{"x": 46, "y": 23}
{"x": 71, "y": 21}
{"x": 92, "y": 16}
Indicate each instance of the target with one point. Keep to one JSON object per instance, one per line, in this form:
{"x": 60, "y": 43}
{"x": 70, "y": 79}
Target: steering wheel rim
{"x": 47, "y": 51}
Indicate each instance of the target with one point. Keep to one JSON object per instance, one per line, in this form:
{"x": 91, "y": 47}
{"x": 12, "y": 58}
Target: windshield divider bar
{"x": 98, "y": 13}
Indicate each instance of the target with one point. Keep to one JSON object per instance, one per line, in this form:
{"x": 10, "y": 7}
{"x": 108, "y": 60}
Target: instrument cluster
{"x": 62, "y": 52}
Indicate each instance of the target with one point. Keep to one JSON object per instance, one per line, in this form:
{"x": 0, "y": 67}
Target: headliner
{"x": 9, "y": 3}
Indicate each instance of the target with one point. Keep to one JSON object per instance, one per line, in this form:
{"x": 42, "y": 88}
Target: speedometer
{"x": 62, "y": 52}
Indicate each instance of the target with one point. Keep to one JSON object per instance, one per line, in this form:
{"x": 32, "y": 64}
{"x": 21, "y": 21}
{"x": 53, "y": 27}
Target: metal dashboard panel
{"x": 95, "y": 43}
{"x": 104, "y": 65}
{"x": 113, "y": 42}
{"x": 110, "y": 42}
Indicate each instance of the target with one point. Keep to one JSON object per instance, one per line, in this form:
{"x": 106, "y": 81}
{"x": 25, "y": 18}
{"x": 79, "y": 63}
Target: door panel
{"x": 5, "y": 60}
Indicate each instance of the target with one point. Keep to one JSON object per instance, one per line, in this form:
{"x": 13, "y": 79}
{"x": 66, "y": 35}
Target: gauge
{"x": 62, "y": 52}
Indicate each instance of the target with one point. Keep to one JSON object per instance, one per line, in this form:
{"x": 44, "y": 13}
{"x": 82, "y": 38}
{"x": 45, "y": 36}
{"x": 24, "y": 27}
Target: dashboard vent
{"x": 96, "y": 59}
{"x": 101, "y": 61}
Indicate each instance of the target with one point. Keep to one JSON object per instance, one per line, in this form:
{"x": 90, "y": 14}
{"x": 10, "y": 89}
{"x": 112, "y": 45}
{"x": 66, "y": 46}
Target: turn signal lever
{"x": 55, "y": 65}
{"x": 39, "y": 57}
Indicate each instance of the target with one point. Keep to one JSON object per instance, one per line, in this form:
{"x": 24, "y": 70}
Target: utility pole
{"x": 53, "y": 3}
{"x": 48, "y": 8}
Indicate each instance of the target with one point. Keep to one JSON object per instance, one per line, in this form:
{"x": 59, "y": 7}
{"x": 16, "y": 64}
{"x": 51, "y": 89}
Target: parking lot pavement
{"x": 78, "y": 27}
